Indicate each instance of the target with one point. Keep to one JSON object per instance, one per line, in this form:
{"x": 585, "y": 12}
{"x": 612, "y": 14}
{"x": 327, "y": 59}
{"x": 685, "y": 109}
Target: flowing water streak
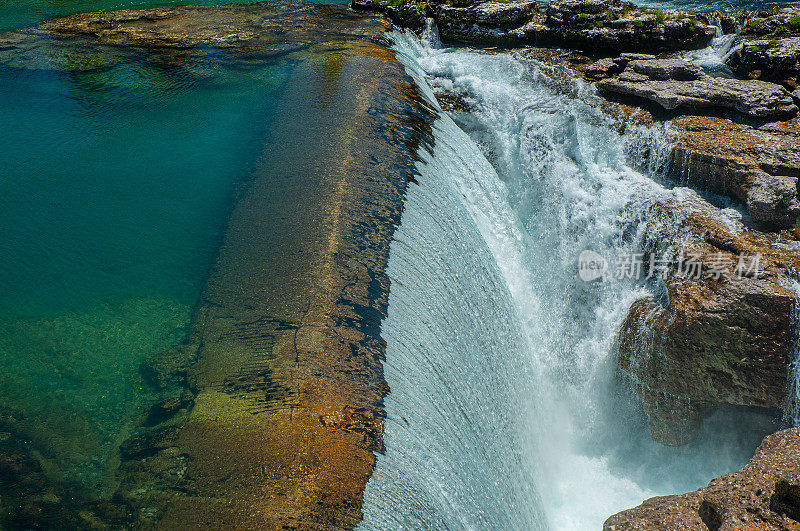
{"x": 793, "y": 409}
{"x": 500, "y": 360}
{"x": 715, "y": 56}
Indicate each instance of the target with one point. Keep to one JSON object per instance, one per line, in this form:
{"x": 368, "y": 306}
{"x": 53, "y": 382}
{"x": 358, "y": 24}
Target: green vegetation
{"x": 753, "y": 24}
{"x": 794, "y": 23}
{"x": 774, "y": 43}
{"x": 753, "y": 49}
{"x": 785, "y": 201}
{"x": 582, "y": 17}
{"x": 638, "y": 23}
{"x": 598, "y": 24}
{"x": 419, "y": 8}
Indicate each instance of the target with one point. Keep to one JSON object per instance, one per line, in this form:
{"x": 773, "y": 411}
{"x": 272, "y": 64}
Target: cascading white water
{"x": 715, "y": 56}
{"x": 506, "y": 407}
{"x": 793, "y": 411}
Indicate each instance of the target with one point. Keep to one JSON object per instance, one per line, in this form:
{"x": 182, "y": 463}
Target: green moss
{"x": 582, "y": 17}
{"x": 598, "y": 24}
{"x": 753, "y": 49}
{"x": 794, "y": 23}
{"x": 774, "y": 43}
{"x": 785, "y": 201}
{"x": 638, "y": 23}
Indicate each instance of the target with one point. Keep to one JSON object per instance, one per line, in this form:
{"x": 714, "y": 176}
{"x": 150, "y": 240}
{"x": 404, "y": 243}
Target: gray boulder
{"x": 494, "y": 15}
{"x": 771, "y": 59}
{"x": 674, "y": 84}
{"x": 666, "y": 69}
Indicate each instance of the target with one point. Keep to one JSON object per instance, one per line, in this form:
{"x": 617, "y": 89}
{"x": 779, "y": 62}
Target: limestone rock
{"x": 488, "y": 14}
{"x": 615, "y": 25}
{"x": 777, "y": 20}
{"x": 721, "y": 332}
{"x": 763, "y": 495}
{"x": 674, "y": 84}
{"x": 775, "y": 59}
{"x": 592, "y": 25}
{"x": 487, "y": 21}
{"x": 758, "y": 167}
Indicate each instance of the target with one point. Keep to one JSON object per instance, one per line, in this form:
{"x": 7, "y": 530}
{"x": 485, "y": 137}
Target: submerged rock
{"x": 763, "y": 495}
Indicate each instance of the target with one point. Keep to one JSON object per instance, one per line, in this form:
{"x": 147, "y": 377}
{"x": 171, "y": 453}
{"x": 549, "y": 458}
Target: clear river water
{"x": 506, "y": 409}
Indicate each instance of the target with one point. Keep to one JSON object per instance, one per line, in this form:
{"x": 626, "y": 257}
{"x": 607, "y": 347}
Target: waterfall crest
{"x": 507, "y": 409}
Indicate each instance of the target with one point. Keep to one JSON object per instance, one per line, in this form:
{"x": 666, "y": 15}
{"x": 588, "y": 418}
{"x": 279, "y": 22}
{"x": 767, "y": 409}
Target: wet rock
{"x": 676, "y": 84}
{"x": 763, "y": 495}
{"x": 486, "y": 20}
{"x": 758, "y": 167}
{"x": 721, "y": 330}
{"x": 772, "y": 59}
{"x": 591, "y": 25}
{"x": 614, "y": 25}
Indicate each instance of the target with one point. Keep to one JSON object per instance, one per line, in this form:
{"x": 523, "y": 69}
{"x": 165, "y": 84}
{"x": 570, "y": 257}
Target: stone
{"x": 484, "y": 22}
{"x": 758, "y": 167}
{"x": 763, "y": 495}
{"x": 589, "y": 25}
{"x": 676, "y": 84}
{"x": 487, "y": 14}
{"x": 615, "y": 25}
{"x": 771, "y": 59}
{"x": 666, "y": 69}
{"x": 716, "y": 337}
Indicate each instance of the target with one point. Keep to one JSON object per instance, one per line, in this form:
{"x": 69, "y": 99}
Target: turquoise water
{"x": 115, "y": 188}
{"x": 14, "y": 15}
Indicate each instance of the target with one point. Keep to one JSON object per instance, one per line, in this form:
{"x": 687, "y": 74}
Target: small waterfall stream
{"x": 506, "y": 407}
{"x": 714, "y": 57}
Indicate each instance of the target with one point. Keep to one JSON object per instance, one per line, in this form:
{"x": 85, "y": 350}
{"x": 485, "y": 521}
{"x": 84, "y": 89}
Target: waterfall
{"x": 793, "y": 409}
{"x": 715, "y": 56}
{"x": 506, "y": 407}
